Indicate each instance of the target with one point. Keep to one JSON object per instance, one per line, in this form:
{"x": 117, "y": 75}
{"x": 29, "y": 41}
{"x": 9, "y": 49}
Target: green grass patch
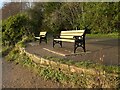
{"x": 110, "y": 35}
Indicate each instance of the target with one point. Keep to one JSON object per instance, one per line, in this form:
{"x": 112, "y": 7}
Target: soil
{"x": 17, "y": 76}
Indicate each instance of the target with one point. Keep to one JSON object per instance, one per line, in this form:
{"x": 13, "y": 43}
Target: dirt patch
{"x": 17, "y": 76}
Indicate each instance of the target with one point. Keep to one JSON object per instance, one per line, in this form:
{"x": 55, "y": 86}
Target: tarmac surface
{"x": 98, "y": 50}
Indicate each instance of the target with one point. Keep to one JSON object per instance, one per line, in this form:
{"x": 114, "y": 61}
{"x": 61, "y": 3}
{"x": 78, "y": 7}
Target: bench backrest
{"x": 43, "y": 33}
{"x": 72, "y": 33}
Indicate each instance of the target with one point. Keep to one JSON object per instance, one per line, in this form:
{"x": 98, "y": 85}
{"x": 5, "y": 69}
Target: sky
{"x": 2, "y": 1}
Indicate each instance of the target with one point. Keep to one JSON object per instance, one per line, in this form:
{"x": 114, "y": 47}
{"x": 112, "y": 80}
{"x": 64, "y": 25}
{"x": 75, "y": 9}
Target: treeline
{"x": 95, "y": 17}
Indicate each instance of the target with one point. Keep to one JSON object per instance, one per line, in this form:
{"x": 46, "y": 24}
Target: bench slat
{"x": 69, "y": 37}
{"x": 37, "y": 37}
{"x": 43, "y": 33}
{"x": 73, "y": 33}
{"x": 66, "y": 36}
{"x": 67, "y": 40}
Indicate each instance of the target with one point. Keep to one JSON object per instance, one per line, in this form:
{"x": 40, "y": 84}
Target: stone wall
{"x": 57, "y": 65}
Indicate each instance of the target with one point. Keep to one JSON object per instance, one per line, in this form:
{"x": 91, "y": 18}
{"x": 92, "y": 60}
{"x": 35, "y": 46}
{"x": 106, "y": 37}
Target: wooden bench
{"x": 42, "y": 37}
{"x": 75, "y": 36}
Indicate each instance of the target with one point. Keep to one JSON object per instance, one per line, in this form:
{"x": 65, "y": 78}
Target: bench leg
{"x": 60, "y": 43}
{"x": 84, "y": 46}
{"x": 79, "y": 44}
{"x": 75, "y": 47}
{"x": 39, "y": 41}
{"x": 53, "y": 43}
{"x": 43, "y": 39}
{"x": 46, "y": 40}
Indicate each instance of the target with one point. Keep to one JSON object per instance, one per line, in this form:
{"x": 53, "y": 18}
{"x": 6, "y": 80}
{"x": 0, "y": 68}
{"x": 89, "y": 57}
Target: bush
{"x": 14, "y": 28}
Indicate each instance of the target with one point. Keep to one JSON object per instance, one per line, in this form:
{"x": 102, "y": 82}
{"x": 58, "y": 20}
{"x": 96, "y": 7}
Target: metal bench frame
{"x": 42, "y": 37}
{"x": 79, "y": 40}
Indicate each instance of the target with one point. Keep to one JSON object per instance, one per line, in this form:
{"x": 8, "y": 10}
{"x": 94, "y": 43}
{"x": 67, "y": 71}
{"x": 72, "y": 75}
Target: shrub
{"x": 14, "y": 28}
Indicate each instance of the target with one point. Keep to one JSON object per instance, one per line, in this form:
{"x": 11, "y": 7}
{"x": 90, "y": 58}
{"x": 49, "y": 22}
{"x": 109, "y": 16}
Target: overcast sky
{"x": 2, "y": 1}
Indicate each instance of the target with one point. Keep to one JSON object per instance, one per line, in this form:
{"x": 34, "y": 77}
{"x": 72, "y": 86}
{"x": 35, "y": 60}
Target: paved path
{"x": 102, "y": 50}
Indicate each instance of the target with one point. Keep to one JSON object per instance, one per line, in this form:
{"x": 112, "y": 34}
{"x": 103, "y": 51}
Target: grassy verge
{"x": 110, "y": 35}
{"x": 87, "y": 65}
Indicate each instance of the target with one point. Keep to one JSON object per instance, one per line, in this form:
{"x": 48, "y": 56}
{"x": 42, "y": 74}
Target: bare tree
{"x": 12, "y": 8}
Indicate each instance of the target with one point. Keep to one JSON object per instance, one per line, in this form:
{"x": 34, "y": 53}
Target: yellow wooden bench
{"x": 42, "y": 37}
{"x": 75, "y": 36}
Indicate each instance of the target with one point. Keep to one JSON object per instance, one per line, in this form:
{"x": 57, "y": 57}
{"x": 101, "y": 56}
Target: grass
{"x": 87, "y": 64}
{"x": 110, "y": 35}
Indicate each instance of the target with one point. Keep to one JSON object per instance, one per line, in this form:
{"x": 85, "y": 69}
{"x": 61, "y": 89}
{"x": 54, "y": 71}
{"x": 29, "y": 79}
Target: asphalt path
{"x": 98, "y": 50}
